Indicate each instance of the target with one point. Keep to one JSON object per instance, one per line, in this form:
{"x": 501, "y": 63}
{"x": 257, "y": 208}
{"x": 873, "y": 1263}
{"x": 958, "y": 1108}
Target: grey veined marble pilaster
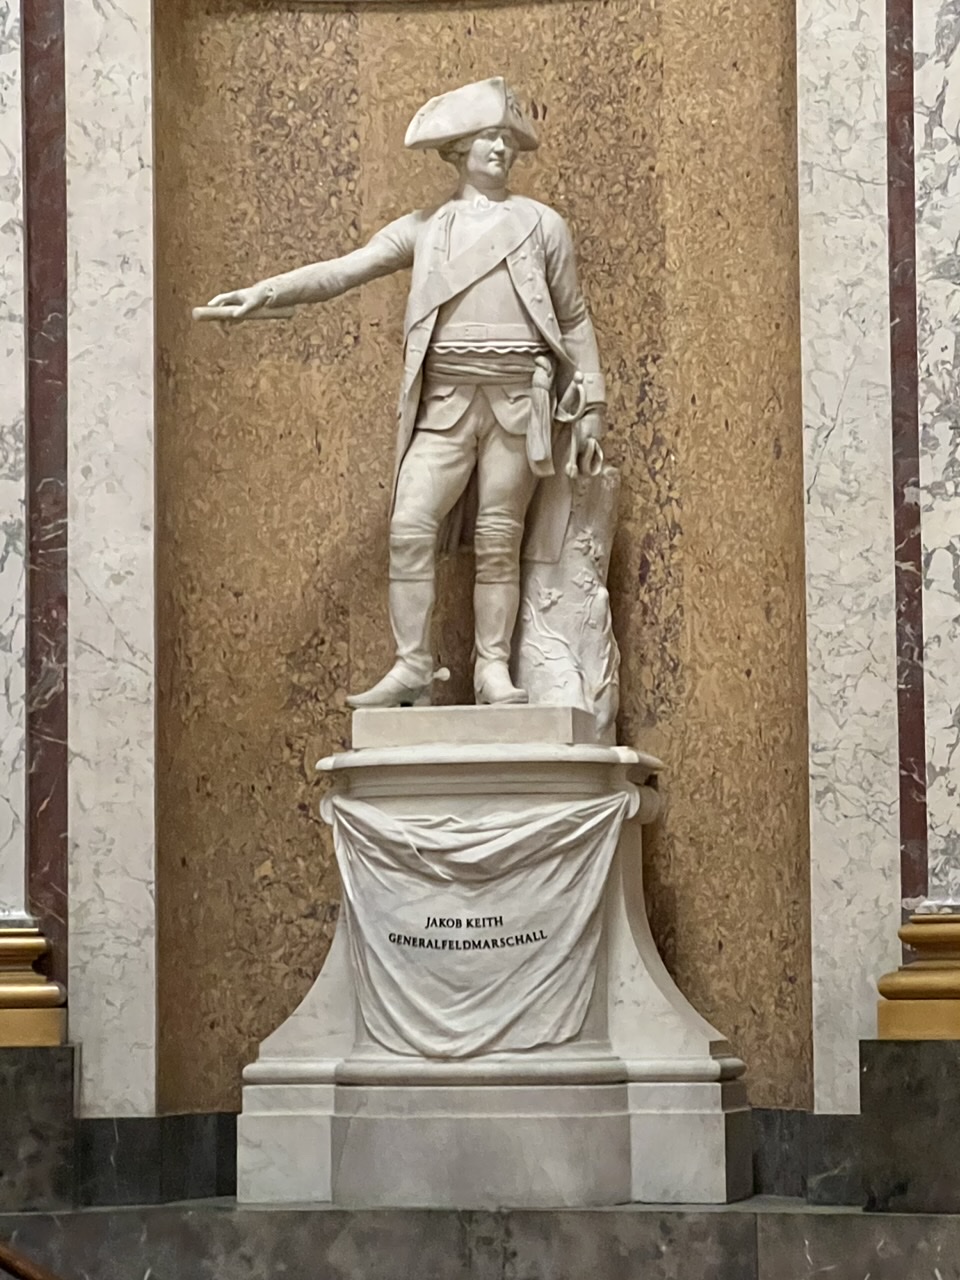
{"x": 12, "y": 468}
{"x": 937, "y": 147}
{"x": 851, "y": 662}
{"x": 110, "y": 525}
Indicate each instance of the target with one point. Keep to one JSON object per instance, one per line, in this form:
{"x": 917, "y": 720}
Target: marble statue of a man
{"x": 498, "y": 350}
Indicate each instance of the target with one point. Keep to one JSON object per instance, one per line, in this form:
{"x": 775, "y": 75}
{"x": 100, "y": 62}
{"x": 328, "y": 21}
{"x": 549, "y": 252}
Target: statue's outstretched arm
{"x": 389, "y": 250}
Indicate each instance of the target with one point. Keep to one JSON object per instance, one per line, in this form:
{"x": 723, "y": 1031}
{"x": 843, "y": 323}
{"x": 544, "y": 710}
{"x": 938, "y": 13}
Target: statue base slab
{"x": 493, "y": 1025}
{"x": 690, "y": 1143}
{"x": 471, "y": 726}
{"x": 481, "y": 1146}
{"x": 493, "y": 1146}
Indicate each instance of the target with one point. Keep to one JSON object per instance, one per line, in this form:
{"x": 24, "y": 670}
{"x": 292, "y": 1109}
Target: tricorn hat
{"x": 487, "y": 104}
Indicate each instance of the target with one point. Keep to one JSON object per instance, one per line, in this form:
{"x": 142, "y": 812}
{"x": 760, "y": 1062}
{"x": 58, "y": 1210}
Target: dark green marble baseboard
{"x": 37, "y": 1130}
{"x": 164, "y": 1158}
{"x": 156, "y": 1159}
{"x": 817, "y": 1158}
{"x": 48, "y": 1160}
{"x": 911, "y": 1117}
{"x": 761, "y": 1239}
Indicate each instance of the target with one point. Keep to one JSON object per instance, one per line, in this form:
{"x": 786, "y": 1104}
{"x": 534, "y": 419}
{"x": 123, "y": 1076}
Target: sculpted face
{"x": 489, "y": 158}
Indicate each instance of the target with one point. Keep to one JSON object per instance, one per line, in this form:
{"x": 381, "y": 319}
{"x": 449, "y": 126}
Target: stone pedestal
{"x": 481, "y": 1145}
{"x": 910, "y": 1113}
{"x": 560, "y": 1065}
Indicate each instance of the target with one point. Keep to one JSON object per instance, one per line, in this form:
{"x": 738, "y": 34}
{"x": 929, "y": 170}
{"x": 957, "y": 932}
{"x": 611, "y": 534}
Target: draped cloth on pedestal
{"x": 480, "y": 934}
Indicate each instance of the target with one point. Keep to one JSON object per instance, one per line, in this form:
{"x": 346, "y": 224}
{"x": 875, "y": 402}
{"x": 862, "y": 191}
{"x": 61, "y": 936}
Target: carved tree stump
{"x": 564, "y": 648}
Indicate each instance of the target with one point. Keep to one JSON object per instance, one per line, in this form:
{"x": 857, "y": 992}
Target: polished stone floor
{"x": 759, "y": 1239}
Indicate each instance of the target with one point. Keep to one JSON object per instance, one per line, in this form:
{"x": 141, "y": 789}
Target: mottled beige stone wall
{"x": 258, "y": 165}
{"x": 668, "y": 144}
{"x": 730, "y": 868}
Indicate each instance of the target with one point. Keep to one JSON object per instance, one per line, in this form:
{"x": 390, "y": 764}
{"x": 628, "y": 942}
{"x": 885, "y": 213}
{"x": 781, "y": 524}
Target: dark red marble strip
{"x": 45, "y": 218}
{"x": 901, "y": 207}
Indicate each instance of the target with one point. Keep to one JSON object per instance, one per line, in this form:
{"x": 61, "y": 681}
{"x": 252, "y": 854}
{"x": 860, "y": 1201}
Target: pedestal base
{"x": 31, "y": 1006}
{"x": 594, "y": 1083}
{"x": 32, "y": 1028}
{"x": 481, "y": 1147}
{"x": 487, "y": 1146}
{"x": 284, "y": 1144}
{"x": 918, "y": 1019}
{"x": 921, "y": 999}
{"x": 691, "y": 1143}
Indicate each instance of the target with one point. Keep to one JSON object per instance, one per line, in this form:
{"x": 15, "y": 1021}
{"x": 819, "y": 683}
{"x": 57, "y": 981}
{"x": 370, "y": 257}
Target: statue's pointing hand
{"x": 253, "y": 298}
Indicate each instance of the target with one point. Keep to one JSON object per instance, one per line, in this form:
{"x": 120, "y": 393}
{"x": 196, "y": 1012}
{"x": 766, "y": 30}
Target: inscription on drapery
{"x": 427, "y": 943}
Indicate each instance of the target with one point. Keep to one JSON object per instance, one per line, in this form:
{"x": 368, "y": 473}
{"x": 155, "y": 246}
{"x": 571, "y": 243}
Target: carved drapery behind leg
{"x": 564, "y": 646}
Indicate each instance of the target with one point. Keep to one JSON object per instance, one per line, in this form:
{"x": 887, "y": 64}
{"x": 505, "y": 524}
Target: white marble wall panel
{"x": 12, "y": 529}
{"x": 854, "y": 810}
{"x": 110, "y": 474}
{"x": 937, "y": 151}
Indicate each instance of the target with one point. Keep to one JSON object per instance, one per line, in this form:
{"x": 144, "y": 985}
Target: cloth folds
{"x": 476, "y": 935}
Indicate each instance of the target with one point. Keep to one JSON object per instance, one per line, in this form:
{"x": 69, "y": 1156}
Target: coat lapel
{"x": 444, "y": 282}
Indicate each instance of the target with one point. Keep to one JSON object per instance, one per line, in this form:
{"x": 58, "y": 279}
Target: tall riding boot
{"x": 411, "y": 599}
{"x": 496, "y": 599}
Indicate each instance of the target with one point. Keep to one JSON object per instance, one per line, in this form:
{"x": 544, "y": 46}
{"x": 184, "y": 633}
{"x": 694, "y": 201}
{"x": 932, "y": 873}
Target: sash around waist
{"x": 500, "y": 368}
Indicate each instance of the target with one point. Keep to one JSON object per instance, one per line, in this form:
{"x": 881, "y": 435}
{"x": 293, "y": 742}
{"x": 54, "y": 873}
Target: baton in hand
{"x": 231, "y": 313}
